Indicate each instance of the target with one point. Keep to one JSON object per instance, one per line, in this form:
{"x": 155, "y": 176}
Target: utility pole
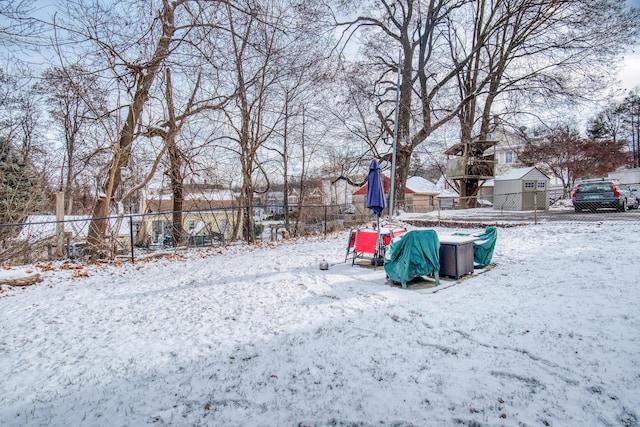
{"x": 395, "y": 142}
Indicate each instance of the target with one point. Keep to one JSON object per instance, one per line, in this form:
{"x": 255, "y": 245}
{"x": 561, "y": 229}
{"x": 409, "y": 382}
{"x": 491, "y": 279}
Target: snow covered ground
{"x": 550, "y": 335}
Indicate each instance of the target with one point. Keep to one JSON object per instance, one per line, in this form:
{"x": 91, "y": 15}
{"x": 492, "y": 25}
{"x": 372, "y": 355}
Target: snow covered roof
{"x": 415, "y": 184}
{"x": 38, "y": 227}
{"x": 209, "y": 195}
{"x": 517, "y": 173}
{"x": 422, "y": 185}
{"x": 386, "y": 183}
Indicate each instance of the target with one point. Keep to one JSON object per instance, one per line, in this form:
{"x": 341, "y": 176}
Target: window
{"x": 192, "y": 225}
{"x": 528, "y": 185}
{"x": 160, "y": 230}
{"x": 595, "y": 188}
{"x": 508, "y": 157}
{"x": 541, "y": 185}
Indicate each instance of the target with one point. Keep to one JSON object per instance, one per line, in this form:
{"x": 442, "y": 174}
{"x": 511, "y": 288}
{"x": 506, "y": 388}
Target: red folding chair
{"x": 351, "y": 244}
{"x": 395, "y": 232}
{"x": 366, "y": 245}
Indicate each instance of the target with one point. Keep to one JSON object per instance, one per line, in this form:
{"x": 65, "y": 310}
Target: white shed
{"x": 521, "y": 189}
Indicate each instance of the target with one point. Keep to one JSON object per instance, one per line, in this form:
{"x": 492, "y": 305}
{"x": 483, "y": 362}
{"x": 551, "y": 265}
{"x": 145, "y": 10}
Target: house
{"x": 509, "y": 144}
{"x": 293, "y": 200}
{"x": 314, "y": 196}
{"x": 500, "y": 157}
{"x": 626, "y": 176}
{"x": 208, "y": 214}
{"x": 425, "y": 196}
{"x": 521, "y": 189}
{"x": 420, "y": 195}
{"x": 39, "y": 235}
{"x": 274, "y": 203}
{"x": 505, "y": 151}
{"x": 312, "y": 207}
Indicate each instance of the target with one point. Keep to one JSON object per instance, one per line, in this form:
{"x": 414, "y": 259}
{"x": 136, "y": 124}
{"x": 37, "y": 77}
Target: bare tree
{"x": 260, "y": 41}
{"x": 22, "y": 125}
{"x": 568, "y": 156}
{"x": 619, "y": 121}
{"x": 607, "y": 124}
{"x": 21, "y": 191}
{"x": 169, "y": 131}
{"x": 554, "y": 50}
{"x": 18, "y": 28}
{"x": 630, "y": 112}
{"x": 73, "y": 96}
{"x": 134, "y": 61}
{"x": 456, "y": 54}
{"x": 413, "y": 28}
{"x": 301, "y": 93}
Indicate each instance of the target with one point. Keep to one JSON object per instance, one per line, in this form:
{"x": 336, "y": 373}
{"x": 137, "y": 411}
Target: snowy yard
{"x": 549, "y": 336}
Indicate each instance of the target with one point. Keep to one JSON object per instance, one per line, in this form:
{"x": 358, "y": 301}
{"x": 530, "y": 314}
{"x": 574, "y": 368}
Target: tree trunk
{"x": 175, "y": 166}
{"x": 247, "y": 210}
{"x": 403, "y": 163}
{"x": 177, "y": 190}
{"x": 303, "y": 173}
{"x": 68, "y": 187}
{"x": 122, "y": 150}
{"x": 285, "y": 165}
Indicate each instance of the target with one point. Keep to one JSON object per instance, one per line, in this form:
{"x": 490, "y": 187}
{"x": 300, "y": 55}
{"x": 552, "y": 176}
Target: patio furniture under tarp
{"x": 414, "y": 254}
{"x": 483, "y": 246}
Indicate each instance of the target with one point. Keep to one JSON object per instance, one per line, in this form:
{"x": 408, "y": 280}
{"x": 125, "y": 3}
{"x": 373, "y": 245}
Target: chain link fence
{"x": 134, "y": 236}
{"x": 532, "y": 207}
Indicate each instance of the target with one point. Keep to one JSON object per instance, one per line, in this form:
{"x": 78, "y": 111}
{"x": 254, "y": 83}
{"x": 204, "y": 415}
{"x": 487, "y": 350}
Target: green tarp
{"x": 414, "y": 254}
{"x": 484, "y": 246}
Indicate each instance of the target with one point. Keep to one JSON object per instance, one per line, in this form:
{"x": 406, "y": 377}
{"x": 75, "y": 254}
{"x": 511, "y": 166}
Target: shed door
{"x": 534, "y": 193}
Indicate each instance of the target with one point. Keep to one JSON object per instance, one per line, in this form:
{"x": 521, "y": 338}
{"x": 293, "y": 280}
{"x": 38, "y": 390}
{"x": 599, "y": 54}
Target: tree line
{"x": 101, "y": 100}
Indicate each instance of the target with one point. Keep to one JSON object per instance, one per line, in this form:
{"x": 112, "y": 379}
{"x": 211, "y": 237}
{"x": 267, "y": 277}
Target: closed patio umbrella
{"x": 375, "y": 196}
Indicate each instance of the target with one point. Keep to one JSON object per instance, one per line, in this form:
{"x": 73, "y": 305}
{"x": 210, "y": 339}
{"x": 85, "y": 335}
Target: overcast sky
{"x": 630, "y": 74}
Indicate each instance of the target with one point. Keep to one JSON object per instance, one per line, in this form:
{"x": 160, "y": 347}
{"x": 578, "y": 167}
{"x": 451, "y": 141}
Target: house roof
{"x": 166, "y": 205}
{"x": 386, "y": 182}
{"x": 275, "y": 195}
{"x": 422, "y": 185}
{"x": 517, "y": 173}
{"x": 208, "y": 195}
{"x": 193, "y": 200}
{"x": 38, "y": 227}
